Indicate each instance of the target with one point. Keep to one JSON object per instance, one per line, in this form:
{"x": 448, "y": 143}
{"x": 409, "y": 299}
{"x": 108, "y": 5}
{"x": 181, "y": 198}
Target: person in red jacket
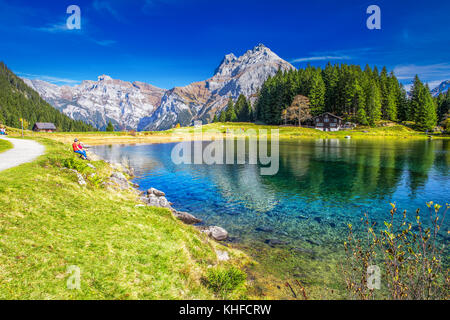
{"x": 78, "y": 148}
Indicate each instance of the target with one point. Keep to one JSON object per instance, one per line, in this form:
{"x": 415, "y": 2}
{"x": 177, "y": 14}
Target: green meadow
{"x": 5, "y": 145}
{"x": 48, "y": 222}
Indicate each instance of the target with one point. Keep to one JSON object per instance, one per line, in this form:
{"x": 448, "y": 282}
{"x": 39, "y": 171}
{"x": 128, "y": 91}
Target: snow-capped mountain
{"x": 201, "y": 100}
{"x": 98, "y": 102}
{"x": 442, "y": 88}
{"x": 142, "y": 106}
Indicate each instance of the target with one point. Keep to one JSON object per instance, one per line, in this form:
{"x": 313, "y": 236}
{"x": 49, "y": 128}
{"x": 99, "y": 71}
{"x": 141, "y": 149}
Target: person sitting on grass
{"x": 78, "y": 148}
{"x": 3, "y": 132}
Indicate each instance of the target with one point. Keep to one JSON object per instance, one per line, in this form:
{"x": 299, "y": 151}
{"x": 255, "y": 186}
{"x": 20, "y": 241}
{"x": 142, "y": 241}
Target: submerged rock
{"x": 187, "y": 218}
{"x": 318, "y": 219}
{"x": 302, "y": 250}
{"x": 312, "y": 242}
{"x": 264, "y": 229}
{"x": 275, "y": 242}
{"x": 234, "y": 240}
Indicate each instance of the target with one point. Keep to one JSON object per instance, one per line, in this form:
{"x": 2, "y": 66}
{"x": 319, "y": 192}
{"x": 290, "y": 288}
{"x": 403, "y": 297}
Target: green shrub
{"x": 411, "y": 262}
{"x": 225, "y": 281}
{"x": 96, "y": 180}
{"x": 75, "y": 163}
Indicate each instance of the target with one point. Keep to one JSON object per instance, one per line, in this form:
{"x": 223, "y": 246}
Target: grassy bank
{"x": 5, "y": 145}
{"x": 49, "y": 222}
{"x": 218, "y": 130}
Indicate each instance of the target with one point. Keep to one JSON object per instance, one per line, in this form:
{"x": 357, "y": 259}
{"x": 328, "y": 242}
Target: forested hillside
{"x": 17, "y": 101}
{"x": 363, "y": 96}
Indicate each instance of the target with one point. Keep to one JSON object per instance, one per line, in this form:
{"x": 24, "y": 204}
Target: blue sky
{"x": 175, "y": 42}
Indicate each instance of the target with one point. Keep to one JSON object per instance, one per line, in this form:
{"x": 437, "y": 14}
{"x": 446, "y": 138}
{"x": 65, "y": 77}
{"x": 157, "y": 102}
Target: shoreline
{"x": 219, "y": 130}
{"x": 156, "y": 198}
{"x": 144, "y": 141}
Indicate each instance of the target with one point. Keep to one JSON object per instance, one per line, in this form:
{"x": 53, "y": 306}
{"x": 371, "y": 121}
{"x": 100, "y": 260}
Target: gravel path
{"x": 23, "y": 151}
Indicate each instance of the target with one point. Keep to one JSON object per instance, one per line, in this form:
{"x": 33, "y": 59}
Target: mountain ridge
{"x": 18, "y": 100}
{"x": 98, "y": 102}
{"x": 141, "y": 106}
{"x": 234, "y": 76}
{"x": 441, "y": 88}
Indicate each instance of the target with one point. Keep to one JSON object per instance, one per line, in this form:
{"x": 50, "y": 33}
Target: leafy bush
{"x": 75, "y": 163}
{"x": 224, "y": 281}
{"x": 411, "y": 262}
{"x": 96, "y": 180}
{"x": 446, "y": 124}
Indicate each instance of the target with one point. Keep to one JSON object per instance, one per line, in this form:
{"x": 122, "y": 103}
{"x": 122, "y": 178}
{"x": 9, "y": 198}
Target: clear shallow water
{"x": 336, "y": 180}
{"x": 321, "y": 186}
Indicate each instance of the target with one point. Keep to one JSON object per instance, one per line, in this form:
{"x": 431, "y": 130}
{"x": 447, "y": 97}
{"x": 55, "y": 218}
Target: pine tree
{"x": 391, "y": 99}
{"x": 345, "y": 90}
{"x": 423, "y": 106}
{"x": 110, "y": 127}
{"x": 215, "y": 120}
{"x": 223, "y": 116}
{"x": 241, "y": 109}
{"x": 443, "y": 105}
{"x": 373, "y": 102}
{"x": 230, "y": 114}
{"x": 317, "y": 94}
{"x": 331, "y": 78}
{"x": 358, "y": 104}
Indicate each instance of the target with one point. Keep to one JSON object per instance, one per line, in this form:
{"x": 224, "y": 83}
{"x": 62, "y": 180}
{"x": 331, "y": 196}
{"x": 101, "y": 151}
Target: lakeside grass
{"x": 5, "y": 145}
{"x": 219, "y": 130}
{"x": 49, "y": 222}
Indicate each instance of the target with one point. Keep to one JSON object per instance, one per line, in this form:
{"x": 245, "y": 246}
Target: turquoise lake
{"x": 322, "y": 185}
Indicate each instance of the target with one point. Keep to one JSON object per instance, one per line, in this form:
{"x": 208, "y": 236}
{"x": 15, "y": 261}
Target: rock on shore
{"x": 187, "y": 218}
{"x": 217, "y": 233}
{"x": 157, "y": 198}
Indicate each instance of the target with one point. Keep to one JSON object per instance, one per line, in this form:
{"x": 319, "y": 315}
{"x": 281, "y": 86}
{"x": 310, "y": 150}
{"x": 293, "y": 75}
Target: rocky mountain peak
{"x": 261, "y": 48}
{"x": 231, "y": 65}
{"x": 442, "y": 88}
{"x": 104, "y": 77}
{"x": 202, "y": 100}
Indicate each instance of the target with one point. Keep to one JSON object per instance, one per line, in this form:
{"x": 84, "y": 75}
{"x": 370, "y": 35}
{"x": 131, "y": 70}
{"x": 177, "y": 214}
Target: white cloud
{"x": 433, "y": 74}
{"x": 320, "y": 58}
{"x": 106, "y": 6}
{"x": 53, "y": 28}
{"x": 57, "y": 28}
{"x": 345, "y": 54}
{"x": 430, "y": 73}
{"x": 51, "y": 79}
{"x": 105, "y": 43}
